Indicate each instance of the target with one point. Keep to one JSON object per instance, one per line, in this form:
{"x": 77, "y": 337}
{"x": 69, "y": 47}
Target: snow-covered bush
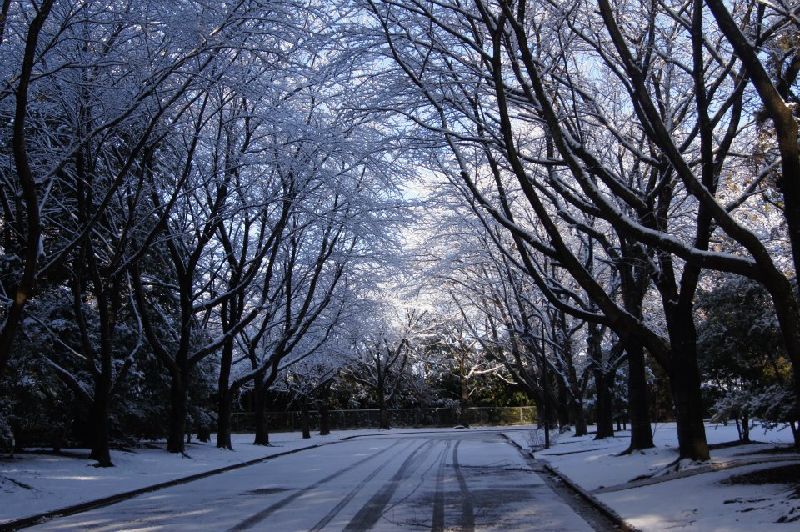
{"x": 742, "y": 357}
{"x": 769, "y": 406}
{"x": 536, "y": 438}
{"x": 734, "y": 405}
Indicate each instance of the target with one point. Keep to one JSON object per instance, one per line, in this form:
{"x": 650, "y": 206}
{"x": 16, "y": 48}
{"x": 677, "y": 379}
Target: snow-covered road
{"x": 465, "y": 480}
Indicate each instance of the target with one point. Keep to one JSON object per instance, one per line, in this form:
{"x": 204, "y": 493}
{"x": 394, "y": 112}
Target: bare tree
{"x": 384, "y": 359}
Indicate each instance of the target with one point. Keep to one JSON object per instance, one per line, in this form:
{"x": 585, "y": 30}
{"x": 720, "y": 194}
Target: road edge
{"x": 593, "y": 501}
{"x": 25, "y": 522}
{"x": 31, "y": 520}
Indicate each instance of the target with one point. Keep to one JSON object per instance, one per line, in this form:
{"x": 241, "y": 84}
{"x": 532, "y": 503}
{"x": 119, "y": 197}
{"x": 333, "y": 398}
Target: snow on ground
{"x": 409, "y": 480}
{"x": 650, "y": 491}
{"x": 700, "y": 502}
{"x": 646, "y": 488}
{"x": 32, "y": 483}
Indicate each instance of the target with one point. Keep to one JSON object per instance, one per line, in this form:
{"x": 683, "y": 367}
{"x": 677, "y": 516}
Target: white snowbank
{"x": 652, "y": 492}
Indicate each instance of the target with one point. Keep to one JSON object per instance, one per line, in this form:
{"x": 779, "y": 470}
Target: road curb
{"x": 118, "y": 497}
{"x": 591, "y": 499}
{"x": 582, "y": 493}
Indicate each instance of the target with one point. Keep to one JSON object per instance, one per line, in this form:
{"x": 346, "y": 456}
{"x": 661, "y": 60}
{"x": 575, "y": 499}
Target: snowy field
{"x": 653, "y": 492}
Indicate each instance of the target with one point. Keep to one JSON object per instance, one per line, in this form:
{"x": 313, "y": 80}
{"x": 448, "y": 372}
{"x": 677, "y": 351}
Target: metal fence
{"x": 408, "y": 417}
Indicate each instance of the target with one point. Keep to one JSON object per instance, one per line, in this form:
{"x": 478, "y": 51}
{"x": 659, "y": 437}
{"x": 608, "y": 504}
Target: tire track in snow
{"x": 467, "y": 511}
{"x": 437, "y": 521}
{"x": 349, "y": 497}
{"x": 257, "y": 518}
{"x": 371, "y": 512}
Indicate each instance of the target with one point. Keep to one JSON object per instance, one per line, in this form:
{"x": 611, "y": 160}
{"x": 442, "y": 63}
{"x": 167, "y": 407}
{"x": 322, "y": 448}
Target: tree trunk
{"x": 565, "y": 404}
{"x": 100, "y": 437}
{"x": 324, "y": 417}
{"x": 545, "y": 393}
{"x": 568, "y": 388}
{"x": 259, "y": 413}
{"x": 684, "y": 377}
{"x": 463, "y": 403}
{"x": 689, "y": 414}
{"x": 603, "y": 406}
{"x": 383, "y": 415}
{"x": 177, "y": 414}
{"x": 545, "y": 423}
{"x": 224, "y": 392}
{"x": 745, "y": 429}
{"x": 224, "y": 408}
{"x": 638, "y": 402}
{"x": 579, "y": 417}
{"x": 306, "y": 427}
{"x": 634, "y": 285}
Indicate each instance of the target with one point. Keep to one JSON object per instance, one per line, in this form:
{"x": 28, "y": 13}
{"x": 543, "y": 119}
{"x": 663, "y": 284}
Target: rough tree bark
{"x": 638, "y": 401}
{"x": 176, "y": 428}
{"x": 685, "y": 385}
{"x": 224, "y": 411}
{"x": 100, "y": 426}
{"x": 635, "y": 274}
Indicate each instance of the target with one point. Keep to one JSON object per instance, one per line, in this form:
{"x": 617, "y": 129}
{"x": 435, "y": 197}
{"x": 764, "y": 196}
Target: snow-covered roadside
{"x": 31, "y": 484}
{"x": 678, "y": 496}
